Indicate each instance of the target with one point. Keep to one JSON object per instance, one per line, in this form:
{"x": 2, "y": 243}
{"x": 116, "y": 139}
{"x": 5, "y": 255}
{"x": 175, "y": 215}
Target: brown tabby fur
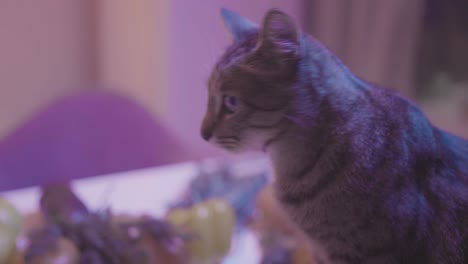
{"x": 359, "y": 168}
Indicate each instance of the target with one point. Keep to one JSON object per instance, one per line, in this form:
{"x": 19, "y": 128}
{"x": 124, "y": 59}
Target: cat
{"x": 358, "y": 168}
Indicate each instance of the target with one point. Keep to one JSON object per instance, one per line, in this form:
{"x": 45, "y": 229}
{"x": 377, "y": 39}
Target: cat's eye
{"x": 231, "y": 103}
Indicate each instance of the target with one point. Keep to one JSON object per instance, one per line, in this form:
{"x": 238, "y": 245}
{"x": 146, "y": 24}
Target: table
{"x": 148, "y": 191}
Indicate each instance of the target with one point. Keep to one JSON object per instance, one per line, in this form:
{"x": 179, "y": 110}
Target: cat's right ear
{"x": 279, "y": 34}
{"x": 239, "y": 26}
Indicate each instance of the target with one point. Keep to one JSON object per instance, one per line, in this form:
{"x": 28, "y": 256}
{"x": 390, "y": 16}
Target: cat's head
{"x": 250, "y": 86}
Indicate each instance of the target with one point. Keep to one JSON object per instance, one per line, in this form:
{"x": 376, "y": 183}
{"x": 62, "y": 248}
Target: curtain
{"x": 376, "y": 39}
{"x": 131, "y": 48}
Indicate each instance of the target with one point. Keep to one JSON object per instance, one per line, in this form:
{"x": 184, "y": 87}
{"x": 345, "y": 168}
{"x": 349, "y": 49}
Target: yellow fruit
{"x": 9, "y": 217}
{"x": 7, "y": 246}
{"x": 212, "y": 224}
{"x": 10, "y": 224}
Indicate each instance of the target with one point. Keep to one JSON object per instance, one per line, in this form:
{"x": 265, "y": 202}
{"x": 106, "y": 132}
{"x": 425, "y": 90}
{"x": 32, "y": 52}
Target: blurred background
{"x": 90, "y": 87}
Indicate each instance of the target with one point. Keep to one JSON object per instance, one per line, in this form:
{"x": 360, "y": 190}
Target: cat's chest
{"x": 332, "y": 207}
{"x": 314, "y": 197}
{"x": 335, "y": 218}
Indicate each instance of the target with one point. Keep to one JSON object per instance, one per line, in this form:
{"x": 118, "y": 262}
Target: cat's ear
{"x": 279, "y": 34}
{"x": 238, "y": 26}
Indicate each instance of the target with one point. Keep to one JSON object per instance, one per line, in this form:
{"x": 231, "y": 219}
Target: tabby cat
{"x": 358, "y": 167}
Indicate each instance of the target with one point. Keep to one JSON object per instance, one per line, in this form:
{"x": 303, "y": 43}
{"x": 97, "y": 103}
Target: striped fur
{"x": 359, "y": 168}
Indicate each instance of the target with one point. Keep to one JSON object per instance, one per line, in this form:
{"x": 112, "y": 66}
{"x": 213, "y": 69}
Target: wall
{"x": 131, "y": 50}
{"x": 46, "y": 50}
{"x": 50, "y": 48}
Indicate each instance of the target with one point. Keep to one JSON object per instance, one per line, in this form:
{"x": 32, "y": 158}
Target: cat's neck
{"x": 302, "y": 147}
{"x": 293, "y": 152}
{"x": 325, "y": 92}
{"x": 325, "y": 70}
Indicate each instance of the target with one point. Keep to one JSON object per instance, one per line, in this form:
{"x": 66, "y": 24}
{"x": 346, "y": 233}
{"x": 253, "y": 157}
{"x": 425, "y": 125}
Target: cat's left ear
{"x": 239, "y": 26}
{"x": 279, "y": 34}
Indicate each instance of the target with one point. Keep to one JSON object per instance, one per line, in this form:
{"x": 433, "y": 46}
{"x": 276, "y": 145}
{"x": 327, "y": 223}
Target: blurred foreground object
{"x": 222, "y": 182}
{"x": 10, "y": 224}
{"x": 210, "y": 225}
{"x": 71, "y": 233}
{"x": 139, "y": 201}
{"x": 281, "y": 241}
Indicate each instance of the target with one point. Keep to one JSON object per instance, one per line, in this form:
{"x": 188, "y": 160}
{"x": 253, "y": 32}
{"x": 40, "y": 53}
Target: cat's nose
{"x": 206, "y": 133}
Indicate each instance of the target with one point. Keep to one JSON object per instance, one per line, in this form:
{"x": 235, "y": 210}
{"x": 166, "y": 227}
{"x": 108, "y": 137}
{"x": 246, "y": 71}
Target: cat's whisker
{"x": 224, "y": 143}
{"x": 229, "y": 147}
{"x": 229, "y": 138}
{"x": 227, "y": 143}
